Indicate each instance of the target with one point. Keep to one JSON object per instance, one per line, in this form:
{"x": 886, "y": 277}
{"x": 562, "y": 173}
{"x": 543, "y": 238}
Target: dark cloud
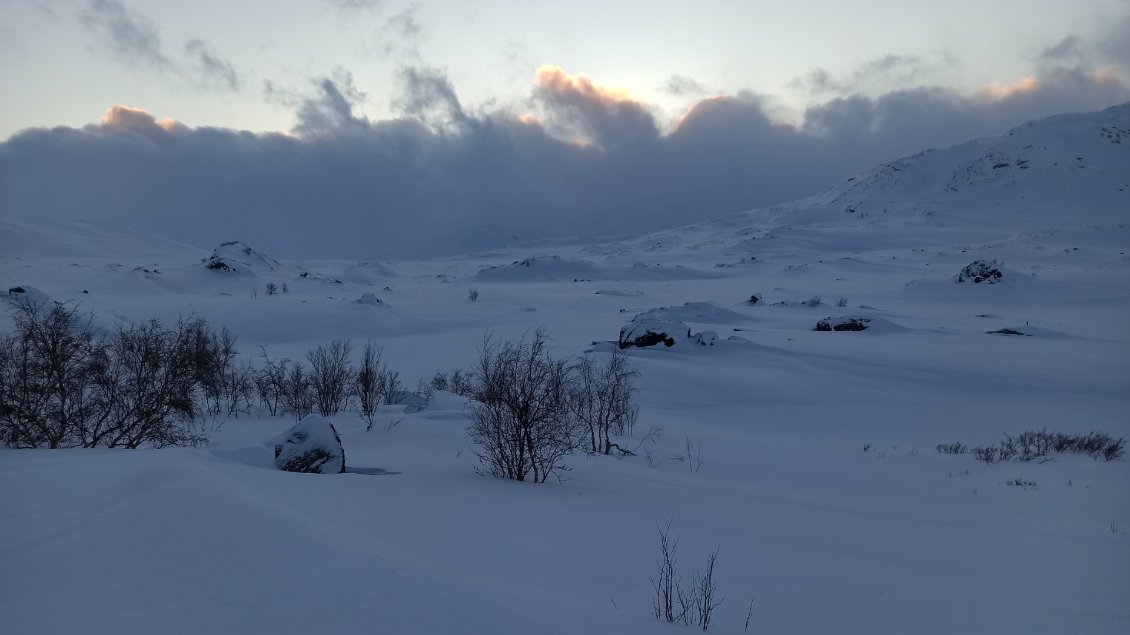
{"x": 683, "y": 86}
{"x": 211, "y": 65}
{"x": 578, "y": 158}
{"x": 427, "y": 94}
{"x": 330, "y": 111}
{"x": 130, "y": 37}
{"x": 578, "y": 106}
{"x": 883, "y": 71}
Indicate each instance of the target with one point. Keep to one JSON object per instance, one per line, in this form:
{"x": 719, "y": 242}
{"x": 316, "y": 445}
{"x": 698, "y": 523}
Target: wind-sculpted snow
{"x": 806, "y": 457}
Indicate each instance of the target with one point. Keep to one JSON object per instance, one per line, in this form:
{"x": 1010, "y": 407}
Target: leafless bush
{"x": 270, "y": 381}
{"x": 841, "y": 302}
{"x": 330, "y": 376}
{"x": 374, "y": 383}
{"x": 439, "y": 381}
{"x": 148, "y": 379}
{"x": 297, "y": 396}
{"x": 272, "y": 288}
{"x": 678, "y": 604}
{"x": 473, "y": 295}
{"x": 521, "y": 424}
{"x": 462, "y": 383}
{"x": 45, "y": 392}
{"x": 1036, "y": 444}
{"x": 601, "y": 398}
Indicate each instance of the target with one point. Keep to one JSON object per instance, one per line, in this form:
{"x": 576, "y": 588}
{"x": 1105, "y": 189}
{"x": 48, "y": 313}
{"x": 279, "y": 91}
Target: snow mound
{"x": 312, "y": 446}
{"x": 647, "y": 332}
{"x": 238, "y": 256}
{"x": 542, "y": 268}
{"x": 705, "y": 312}
{"x": 26, "y": 294}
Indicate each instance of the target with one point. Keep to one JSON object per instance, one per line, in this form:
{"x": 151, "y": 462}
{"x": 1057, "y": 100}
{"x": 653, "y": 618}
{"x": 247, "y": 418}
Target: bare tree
{"x": 521, "y": 424}
{"x": 297, "y": 396}
{"x": 272, "y": 288}
{"x": 330, "y": 376}
{"x": 44, "y": 393}
{"x": 270, "y": 382}
{"x": 367, "y": 384}
{"x": 602, "y": 400}
{"x": 147, "y": 384}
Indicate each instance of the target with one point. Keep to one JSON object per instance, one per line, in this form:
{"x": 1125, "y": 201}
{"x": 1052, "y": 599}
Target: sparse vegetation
{"x": 1036, "y": 444}
{"x": 685, "y": 605}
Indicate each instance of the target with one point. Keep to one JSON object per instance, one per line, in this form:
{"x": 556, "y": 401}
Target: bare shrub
{"x": 672, "y": 601}
{"x": 45, "y": 392}
{"x": 1036, "y": 444}
{"x": 521, "y": 424}
{"x": 297, "y": 395}
{"x": 473, "y": 295}
{"x": 148, "y": 380}
{"x": 61, "y": 385}
{"x": 373, "y": 384}
{"x": 841, "y": 302}
{"x": 270, "y": 383}
{"x": 601, "y": 398}
{"x": 330, "y": 376}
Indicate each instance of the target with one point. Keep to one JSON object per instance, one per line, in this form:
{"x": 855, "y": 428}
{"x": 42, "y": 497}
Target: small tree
{"x": 602, "y": 400}
{"x": 330, "y": 376}
{"x": 270, "y": 381}
{"x": 368, "y": 384}
{"x": 272, "y": 288}
{"x": 45, "y": 395}
{"x": 297, "y": 397}
{"x": 521, "y": 424}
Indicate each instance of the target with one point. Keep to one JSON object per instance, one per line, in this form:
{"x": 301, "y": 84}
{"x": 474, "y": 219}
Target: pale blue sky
{"x": 64, "y": 62}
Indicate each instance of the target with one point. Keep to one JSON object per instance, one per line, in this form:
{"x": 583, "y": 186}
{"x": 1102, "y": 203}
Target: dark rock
{"x": 842, "y": 324}
{"x": 1005, "y": 331}
{"x": 16, "y": 290}
{"x": 978, "y": 271}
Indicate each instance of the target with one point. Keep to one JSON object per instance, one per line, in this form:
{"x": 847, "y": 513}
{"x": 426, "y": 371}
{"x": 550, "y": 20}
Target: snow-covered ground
{"x": 806, "y": 457}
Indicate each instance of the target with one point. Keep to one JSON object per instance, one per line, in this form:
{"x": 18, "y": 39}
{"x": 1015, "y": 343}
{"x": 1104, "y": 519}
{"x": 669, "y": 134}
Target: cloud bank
{"x": 573, "y": 158}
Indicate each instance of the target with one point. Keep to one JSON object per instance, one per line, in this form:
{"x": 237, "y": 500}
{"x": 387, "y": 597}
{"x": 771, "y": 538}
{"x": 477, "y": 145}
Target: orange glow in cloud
{"x": 555, "y": 80}
{"x": 997, "y": 91}
{"x": 528, "y": 119}
{"x": 126, "y": 118}
{"x": 1106, "y": 75}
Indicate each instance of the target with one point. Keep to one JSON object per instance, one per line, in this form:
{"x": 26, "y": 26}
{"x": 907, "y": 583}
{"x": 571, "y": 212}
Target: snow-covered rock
{"x": 311, "y": 446}
{"x": 978, "y": 271}
{"x": 856, "y": 323}
{"x": 238, "y": 256}
{"x": 647, "y": 332}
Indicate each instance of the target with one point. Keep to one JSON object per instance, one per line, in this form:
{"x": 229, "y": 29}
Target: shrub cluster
{"x": 1039, "y": 443}
{"x": 63, "y": 383}
{"x": 530, "y": 411}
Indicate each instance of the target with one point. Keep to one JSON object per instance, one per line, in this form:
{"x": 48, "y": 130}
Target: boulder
{"x": 980, "y": 271}
{"x": 646, "y": 332}
{"x": 847, "y": 323}
{"x": 311, "y": 446}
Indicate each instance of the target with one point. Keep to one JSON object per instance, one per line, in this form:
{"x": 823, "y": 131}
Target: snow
{"x": 806, "y": 457}
{"x": 315, "y": 436}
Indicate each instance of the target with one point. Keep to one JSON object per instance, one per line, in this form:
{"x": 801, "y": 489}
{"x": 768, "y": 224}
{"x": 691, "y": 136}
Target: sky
{"x": 431, "y": 127}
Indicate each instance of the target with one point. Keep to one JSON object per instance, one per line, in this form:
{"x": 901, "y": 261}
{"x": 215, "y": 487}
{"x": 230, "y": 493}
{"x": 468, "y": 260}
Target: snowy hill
{"x": 806, "y": 456}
